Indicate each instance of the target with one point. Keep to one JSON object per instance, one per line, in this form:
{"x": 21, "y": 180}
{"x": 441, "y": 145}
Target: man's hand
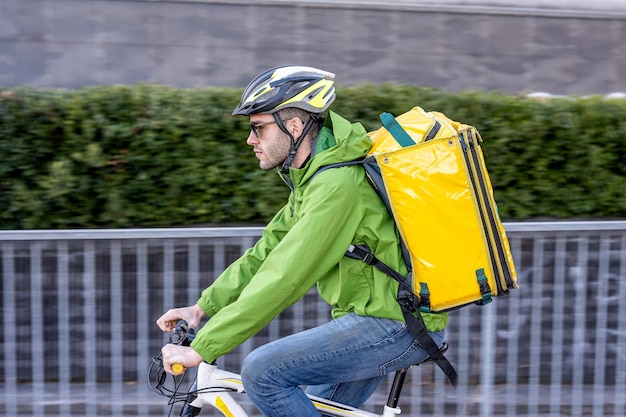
{"x": 192, "y": 315}
{"x": 183, "y": 355}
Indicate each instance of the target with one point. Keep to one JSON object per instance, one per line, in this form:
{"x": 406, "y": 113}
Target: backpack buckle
{"x": 361, "y": 252}
{"x": 369, "y": 259}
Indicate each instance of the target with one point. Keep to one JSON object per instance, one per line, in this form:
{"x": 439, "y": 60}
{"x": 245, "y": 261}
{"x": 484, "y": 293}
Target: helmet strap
{"x": 295, "y": 144}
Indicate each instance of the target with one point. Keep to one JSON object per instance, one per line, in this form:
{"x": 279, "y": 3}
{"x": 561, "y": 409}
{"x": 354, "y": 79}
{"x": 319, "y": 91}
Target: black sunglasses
{"x": 256, "y": 127}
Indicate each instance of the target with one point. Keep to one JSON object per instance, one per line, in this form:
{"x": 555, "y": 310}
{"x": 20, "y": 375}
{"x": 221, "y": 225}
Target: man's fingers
{"x": 166, "y": 322}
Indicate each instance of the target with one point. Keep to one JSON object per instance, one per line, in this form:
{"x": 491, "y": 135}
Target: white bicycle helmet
{"x": 307, "y": 88}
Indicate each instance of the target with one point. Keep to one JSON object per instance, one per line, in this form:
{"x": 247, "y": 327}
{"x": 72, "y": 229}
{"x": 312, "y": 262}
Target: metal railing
{"x": 78, "y": 310}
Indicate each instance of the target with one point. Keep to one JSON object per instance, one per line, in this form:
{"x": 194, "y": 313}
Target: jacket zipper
{"x": 289, "y": 183}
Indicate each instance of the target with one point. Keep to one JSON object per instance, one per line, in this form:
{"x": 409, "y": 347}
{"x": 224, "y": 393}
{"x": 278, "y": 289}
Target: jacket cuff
{"x": 208, "y": 309}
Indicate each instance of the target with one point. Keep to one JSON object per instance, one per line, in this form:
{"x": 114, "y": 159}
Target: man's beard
{"x": 276, "y": 153}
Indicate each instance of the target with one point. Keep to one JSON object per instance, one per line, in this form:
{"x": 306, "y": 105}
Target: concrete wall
{"x": 454, "y": 45}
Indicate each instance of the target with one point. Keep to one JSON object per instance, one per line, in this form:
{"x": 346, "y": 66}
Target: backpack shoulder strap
{"x": 417, "y": 327}
{"x": 336, "y": 165}
{"x": 409, "y": 304}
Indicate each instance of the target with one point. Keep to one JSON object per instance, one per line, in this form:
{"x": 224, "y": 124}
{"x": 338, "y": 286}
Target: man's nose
{"x": 252, "y": 139}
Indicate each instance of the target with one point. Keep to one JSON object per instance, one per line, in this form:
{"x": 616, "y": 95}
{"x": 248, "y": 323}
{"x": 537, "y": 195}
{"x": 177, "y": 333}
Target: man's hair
{"x": 291, "y": 112}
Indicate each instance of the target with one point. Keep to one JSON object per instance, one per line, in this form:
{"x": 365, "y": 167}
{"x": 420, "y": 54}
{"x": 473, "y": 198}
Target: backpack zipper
{"x": 487, "y": 214}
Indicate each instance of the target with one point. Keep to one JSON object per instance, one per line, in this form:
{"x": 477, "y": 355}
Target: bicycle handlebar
{"x": 181, "y": 335}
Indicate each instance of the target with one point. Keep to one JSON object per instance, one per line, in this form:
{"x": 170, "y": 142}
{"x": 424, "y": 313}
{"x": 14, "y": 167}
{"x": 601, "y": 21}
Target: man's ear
{"x": 295, "y": 127}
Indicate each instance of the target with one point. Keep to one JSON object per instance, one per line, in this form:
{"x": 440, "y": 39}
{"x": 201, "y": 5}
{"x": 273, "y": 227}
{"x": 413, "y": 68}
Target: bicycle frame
{"x": 214, "y": 388}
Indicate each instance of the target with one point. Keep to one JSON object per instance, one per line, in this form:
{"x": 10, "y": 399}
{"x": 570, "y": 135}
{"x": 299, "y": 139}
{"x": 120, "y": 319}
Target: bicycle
{"x": 213, "y": 386}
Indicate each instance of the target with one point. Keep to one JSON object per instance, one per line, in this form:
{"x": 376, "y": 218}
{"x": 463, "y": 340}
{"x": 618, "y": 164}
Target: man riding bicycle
{"x": 304, "y": 245}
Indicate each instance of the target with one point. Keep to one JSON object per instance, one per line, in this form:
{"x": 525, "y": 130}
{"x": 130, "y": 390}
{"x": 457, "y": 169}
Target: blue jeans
{"x": 344, "y": 360}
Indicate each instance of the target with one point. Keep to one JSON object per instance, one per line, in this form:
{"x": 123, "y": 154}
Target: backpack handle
{"x": 399, "y": 134}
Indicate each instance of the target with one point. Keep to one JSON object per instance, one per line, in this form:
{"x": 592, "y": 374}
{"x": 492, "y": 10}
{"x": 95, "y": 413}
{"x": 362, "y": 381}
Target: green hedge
{"x": 150, "y": 155}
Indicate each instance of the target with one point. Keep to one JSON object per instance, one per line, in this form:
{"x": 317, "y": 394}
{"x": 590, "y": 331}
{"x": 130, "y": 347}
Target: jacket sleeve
{"x": 229, "y": 285}
{"x": 326, "y": 223}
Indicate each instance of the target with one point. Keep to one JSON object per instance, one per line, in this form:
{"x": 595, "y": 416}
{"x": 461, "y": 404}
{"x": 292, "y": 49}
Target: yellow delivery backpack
{"x": 431, "y": 174}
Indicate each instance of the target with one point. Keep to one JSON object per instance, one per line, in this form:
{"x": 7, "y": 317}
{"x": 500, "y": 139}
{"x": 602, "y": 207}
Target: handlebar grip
{"x": 178, "y": 368}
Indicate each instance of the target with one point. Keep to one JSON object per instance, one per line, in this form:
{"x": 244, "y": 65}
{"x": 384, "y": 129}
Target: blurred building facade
{"x": 560, "y": 47}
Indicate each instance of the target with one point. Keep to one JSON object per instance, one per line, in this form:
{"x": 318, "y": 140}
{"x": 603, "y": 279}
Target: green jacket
{"x": 304, "y": 245}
